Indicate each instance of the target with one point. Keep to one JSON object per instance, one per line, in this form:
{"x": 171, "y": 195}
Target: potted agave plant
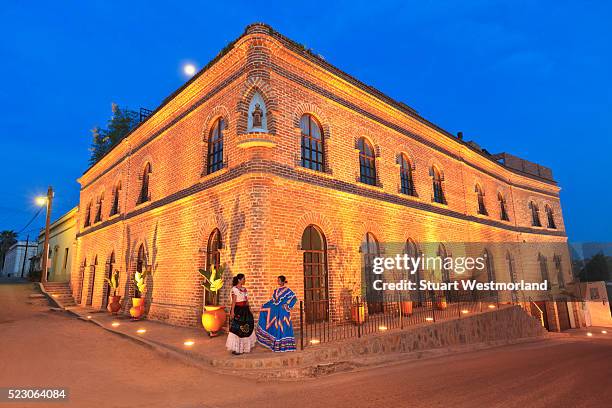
{"x": 213, "y": 316}
{"x": 114, "y": 301}
{"x": 137, "y": 309}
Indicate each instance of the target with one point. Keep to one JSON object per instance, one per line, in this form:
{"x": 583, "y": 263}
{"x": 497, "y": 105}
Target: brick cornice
{"x": 263, "y": 167}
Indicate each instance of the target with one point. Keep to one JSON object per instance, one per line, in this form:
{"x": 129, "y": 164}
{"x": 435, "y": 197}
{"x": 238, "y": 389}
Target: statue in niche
{"x": 257, "y": 116}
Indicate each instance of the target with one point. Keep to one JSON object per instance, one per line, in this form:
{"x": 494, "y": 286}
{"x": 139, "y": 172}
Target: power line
{"x": 31, "y": 221}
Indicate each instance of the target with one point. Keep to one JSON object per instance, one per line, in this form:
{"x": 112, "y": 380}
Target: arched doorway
{"x": 140, "y": 266}
{"x": 213, "y": 257}
{"x": 316, "y": 292}
{"x": 92, "y": 281}
{"x": 108, "y": 273}
{"x": 371, "y": 250}
{"x": 81, "y": 281}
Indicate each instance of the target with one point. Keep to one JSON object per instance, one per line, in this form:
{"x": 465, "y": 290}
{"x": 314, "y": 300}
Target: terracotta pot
{"x": 406, "y": 307}
{"x": 114, "y": 304}
{"x": 137, "y": 309}
{"x": 441, "y": 304}
{"x": 358, "y": 314}
{"x": 213, "y": 319}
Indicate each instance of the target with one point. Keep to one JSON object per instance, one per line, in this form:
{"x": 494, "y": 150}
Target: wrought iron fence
{"x": 324, "y": 321}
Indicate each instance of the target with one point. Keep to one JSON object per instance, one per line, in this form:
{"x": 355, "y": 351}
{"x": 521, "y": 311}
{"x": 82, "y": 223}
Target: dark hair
{"x": 282, "y": 278}
{"x": 237, "y": 278}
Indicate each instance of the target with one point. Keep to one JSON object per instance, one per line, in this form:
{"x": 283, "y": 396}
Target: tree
{"x": 7, "y": 239}
{"x": 122, "y": 122}
{"x": 595, "y": 269}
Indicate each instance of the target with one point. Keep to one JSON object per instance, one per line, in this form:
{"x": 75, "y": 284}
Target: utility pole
{"x": 45, "y": 254}
{"x": 25, "y": 255}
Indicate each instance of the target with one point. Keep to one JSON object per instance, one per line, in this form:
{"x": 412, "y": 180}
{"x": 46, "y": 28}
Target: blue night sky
{"x": 529, "y": 78}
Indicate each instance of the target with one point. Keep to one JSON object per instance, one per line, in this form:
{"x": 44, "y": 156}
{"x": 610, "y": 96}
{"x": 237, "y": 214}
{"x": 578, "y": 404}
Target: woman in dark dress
{"x": 241, "y": 337}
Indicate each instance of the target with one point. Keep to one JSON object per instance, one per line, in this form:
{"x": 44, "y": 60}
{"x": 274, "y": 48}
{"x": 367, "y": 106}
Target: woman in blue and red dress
{"x": 275, "y": 330}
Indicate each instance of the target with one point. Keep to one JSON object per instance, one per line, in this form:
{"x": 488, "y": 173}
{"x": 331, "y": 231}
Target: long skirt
{"x": 241, "y": 337}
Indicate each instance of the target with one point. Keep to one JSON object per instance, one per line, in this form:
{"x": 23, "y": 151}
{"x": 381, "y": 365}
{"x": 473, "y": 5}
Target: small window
{"x": 367, "y": 162}
{"x": 550, "y": 217}
{"x": 116, "y": 193}
{"x": 312, "y": 144}
{"x": 215, "y": 147}
{"x": 87, "y": 222}
{"x": 535, "y": 215}
{"x": 407, "y": 183}
{"x": 594, "y": 293}
{"x": 482, "y": 209}
{"x": 144, "y": 190}
{"x": 503, "y": 211}
{"x": 99, "y": 209}
{"x": 438, "y": 191}
{"x": 543, "y": 268}
{"x": 65, "y": 264}
{"x": 559, "y": 270}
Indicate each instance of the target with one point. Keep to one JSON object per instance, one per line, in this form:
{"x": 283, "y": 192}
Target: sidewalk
{"x": 490, "y": 328}
{"x": 423, "y": 341}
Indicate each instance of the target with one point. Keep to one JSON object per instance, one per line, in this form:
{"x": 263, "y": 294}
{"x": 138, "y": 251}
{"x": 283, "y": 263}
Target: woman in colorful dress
{"x": 241, "y": 337}
{"x": 275, "y": 330}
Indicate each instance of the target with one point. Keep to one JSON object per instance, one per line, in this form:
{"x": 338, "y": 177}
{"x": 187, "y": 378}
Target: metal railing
{"x": 324, "y": 321}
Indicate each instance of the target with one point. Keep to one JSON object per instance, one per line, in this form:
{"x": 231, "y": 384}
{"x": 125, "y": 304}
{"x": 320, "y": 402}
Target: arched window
{"x": 412, "y": 250}
{"x": 87, "y": 222}
{"x": 144, "y": 190}
{"x": 559, "y": 270}
{"x": 543, "y": 268}
{"x": 316, "y": 295}
{"x": 108, "y": 273}
{"x": 444, "y": 271}
{"x": 213, "y": 257}
{"x": 535, "y": 214}
{"x": 312, "y": 144}
{"x": 407, "y": 184}
{"x": 92, "y": 281}
{"x": 140, "y": 265}
{"x": 512, "y": 274}
{"x": 482, "y": 208}
{"x": 215, "y": 147}
{"x": 550, "y": 217}
{"x": 371, "y": 250}
{"x": 503, "y": 211}
{"x": 367, "y": 162}
{"x": 116, "y": 193}
{"x": 99, "y": 208}
{"x": 438, "y": 191}
{"x": 488, "y": 262}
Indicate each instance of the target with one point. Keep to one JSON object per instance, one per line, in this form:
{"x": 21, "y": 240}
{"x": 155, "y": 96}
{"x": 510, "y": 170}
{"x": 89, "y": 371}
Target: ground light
{"x": 115, "y": 324}
{"x": 382, "y": 328}
{"x": 315, "y": 341}
{"x": 589, "y": 334}
{"x": 604, "y": 332}
{"x": 429, "y": 319}
{"x": 491, "y": 306}
{"x": 141, "y": 331}
{"x": 188, "y": 343}
{"x": 465, "y": 311}
{"x": 89, "y": 316}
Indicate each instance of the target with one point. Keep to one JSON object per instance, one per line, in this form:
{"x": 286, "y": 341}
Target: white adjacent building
{"x": 14, "y": 262}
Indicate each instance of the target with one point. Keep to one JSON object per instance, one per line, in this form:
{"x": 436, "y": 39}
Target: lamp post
{"x": 45, "y": 255}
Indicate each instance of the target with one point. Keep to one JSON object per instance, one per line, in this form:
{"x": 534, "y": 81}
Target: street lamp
{"x": 48, "y": 200}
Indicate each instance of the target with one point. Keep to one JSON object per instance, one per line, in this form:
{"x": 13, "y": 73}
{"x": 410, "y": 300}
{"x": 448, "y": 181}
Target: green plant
{"x": 113, "y": 282}
{"x": 139, "y": 281}
{"x": 212, "y": 284}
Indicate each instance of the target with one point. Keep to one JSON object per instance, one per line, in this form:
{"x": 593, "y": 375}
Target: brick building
{"x": 272, "y": 161}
